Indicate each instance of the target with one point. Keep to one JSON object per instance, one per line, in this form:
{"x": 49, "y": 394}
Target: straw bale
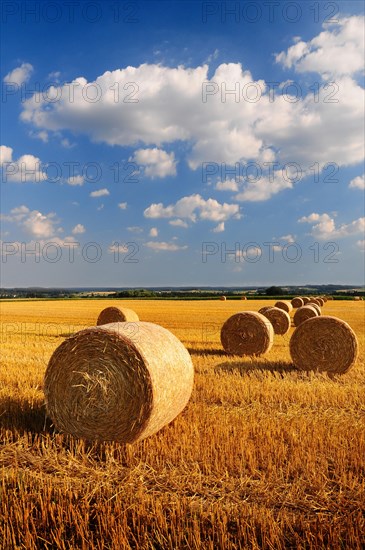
{"x": 304, "y": 313}
{"x": 324, "y": 344}
{"x": 116, "y": 315}
{"x": 118, "y": 382}
{"x": 279, "y": 319}
{"x": 247, "y": 333}
{"x": 285, "y": 305}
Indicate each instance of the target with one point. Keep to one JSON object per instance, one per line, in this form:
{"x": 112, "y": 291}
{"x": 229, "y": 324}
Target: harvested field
{"x": 264, "y": 456}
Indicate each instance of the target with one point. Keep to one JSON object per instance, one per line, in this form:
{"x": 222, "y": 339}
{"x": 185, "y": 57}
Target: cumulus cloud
{"x": 358, "y": 182}
{"x": 122, "y": 205}
{"x": 157, "y": 163}
{"x": 153, "y": 232}
{"x": 194, "y": 207}
{"x": 178, "y": 223}
{"x": 161, "y": 245}
{"x": 78, "y": 229}
{"x": 19, "y": 75}
{"x": 264, "y": 187}
{"x": 99, "y": 193}
{"x": 27, "y": 168}
{"x": 324, "y": 226}
{"x": 219, "y": 228}
{"x": 226, "y": 185}
{"x": 326, "y": 127}
{"x": 32, "y": 221}
{"x": 337, "y": 51}
{"x": 76, "y": 180}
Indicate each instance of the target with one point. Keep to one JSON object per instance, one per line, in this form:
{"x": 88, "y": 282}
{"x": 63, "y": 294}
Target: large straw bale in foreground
{"x": 304, "y": 313}
{"x": 247, "y": 333}
{"x": 118, "y": 382}
{"x": 116, "y": 315}
{"x": 324, "y": 344}
{"x": 279, "y": 319}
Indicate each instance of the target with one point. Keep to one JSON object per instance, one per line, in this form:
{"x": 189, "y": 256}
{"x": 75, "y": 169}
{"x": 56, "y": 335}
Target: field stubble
{"x": 263, "y": 457}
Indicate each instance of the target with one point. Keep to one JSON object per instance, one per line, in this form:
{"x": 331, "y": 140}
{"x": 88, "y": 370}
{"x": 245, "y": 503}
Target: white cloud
{"x": 219, "y": 228}
{"x": 324, "y": 226}
{"x": 361, "y": 244}
{"x": 153, "y": 232}
{"x": 226, "y": 185}
{"x": 6, "y": 154}
{"x": 40, "y": 225}
{"x": 194, "y": 207}
{"x": 265, "y": 187}
{"x": 232, "y": 131}
{"x": 358, "y": 182}
{"x": 99, "y": 193}
{"x": 135, "y": 229}
{"x": 76, "y": 180}
{"x": 161, "y": 245}
{"x": 338, "y": 50}
{"x": 78, "y": 229}
{"x": 118, "y": 248}
{"x": 287, "y": 238}
{"x": 157, "y": 163}
{"x": 20, "y": 75}
{"x": 178, "y": 223}
{"x": 122, "y": 205}
{"x": 27, "y": 168}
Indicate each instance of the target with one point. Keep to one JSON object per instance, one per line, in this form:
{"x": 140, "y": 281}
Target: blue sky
{"x": 181, "y": 143}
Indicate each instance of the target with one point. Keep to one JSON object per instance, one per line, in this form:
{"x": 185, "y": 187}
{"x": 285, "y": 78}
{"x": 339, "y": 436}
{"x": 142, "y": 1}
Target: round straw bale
{"x": 223, "y": 298}
{"x": 243, "y": 297}
{"x": 279, "y": 319}
{"x": 118, "y": 382}
{"x": 321, "y": 301}
{"x": 263, "y": 309}
{"x": 324, "y": 344}
{"x": 314, "y": 301}
{"x": 297, "y": 302}
{"x": 285, "y": 305}
{"x": 304, "y": 313}
{"x": 247, "y": 333}
{"x": 116, "y": 315}
{"x": 316, "y": 307}
{"x": 305, "y": 300}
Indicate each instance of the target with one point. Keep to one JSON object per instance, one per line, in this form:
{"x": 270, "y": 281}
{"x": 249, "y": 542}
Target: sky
{"x": 182, "y": 143}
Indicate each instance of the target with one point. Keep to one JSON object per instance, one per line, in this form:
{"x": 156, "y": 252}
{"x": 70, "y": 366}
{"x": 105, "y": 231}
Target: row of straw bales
{"x": 111, "y": 383}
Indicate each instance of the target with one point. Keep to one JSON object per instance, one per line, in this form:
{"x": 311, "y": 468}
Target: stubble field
{"x": 263, "y": 456}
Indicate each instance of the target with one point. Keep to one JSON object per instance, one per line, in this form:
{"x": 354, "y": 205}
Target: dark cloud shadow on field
{"x": 248, "y": 366}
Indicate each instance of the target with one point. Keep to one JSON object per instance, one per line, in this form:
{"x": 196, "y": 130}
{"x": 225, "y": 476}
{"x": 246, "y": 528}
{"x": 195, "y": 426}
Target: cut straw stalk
{"x": 119, "y": 382}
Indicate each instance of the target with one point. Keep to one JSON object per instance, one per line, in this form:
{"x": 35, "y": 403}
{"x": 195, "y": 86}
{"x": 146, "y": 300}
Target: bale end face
{"x": 279, "y": 319}
{"x": 247, "y": 333}
{"x": 304, "y": 313}
{"x": 324, "y": 344}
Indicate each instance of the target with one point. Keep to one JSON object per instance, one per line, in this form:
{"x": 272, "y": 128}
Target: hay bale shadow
{"x": 207, "y": 351}
{"x": 246, "y": 366}
{"x": 23, "y": 416}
